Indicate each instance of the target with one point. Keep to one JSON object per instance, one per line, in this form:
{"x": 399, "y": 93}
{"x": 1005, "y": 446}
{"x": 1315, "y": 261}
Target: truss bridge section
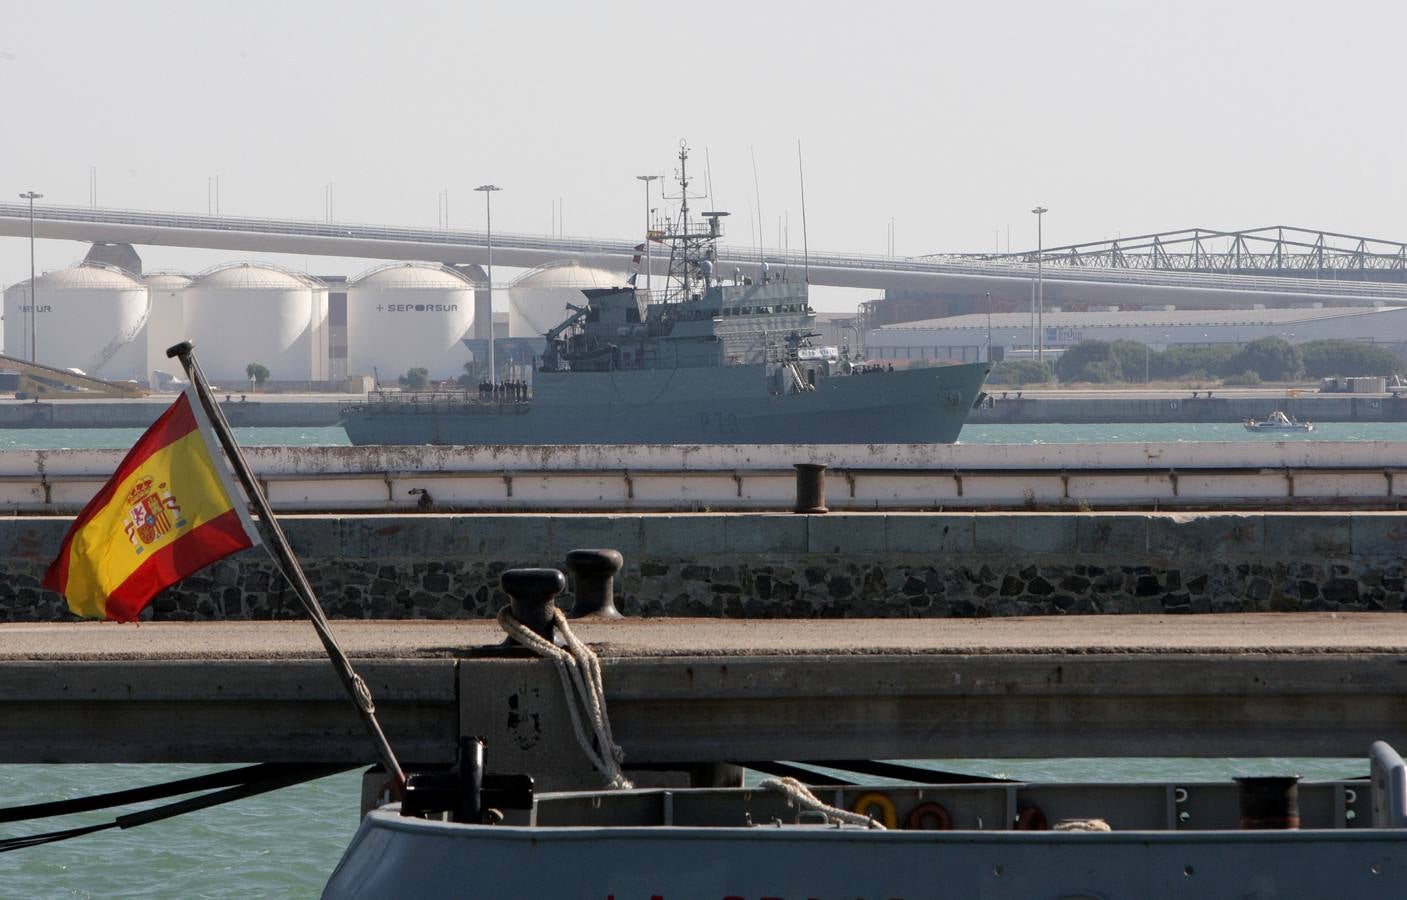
{"x": 1280, "y": 251}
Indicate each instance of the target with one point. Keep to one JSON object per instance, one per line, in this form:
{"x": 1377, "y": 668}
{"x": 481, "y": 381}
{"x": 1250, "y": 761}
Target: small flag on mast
{"x": 169, "y": 510}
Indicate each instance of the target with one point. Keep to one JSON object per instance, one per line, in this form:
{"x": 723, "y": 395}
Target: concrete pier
{"x": 1026, "y": 407}
{"x": 241, "y": 408}
{"x": 683, "y": 691}
{"x": 1257, "y": 474}
{"x": 1032, "y": 406}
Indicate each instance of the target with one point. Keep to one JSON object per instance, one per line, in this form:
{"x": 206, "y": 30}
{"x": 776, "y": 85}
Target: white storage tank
{"x": 166, "y": 324}
{"x": 537, "y": 300}
{"x": 408, "y": 315}
{"x": 255, "y": 313}
{"x": 88, "y": 317}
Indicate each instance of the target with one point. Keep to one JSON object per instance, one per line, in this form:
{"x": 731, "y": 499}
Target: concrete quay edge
{"x": 546, "y": 537}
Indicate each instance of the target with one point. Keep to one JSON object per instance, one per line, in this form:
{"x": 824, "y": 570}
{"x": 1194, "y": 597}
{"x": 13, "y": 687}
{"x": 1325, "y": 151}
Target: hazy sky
{"x": 951, "y": 119}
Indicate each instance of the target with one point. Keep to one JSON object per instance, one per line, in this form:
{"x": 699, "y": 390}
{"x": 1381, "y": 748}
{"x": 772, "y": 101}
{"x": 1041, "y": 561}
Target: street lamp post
{"x": 647, "y": 179}
{"x": 989, "y": 326}
{"x": 1040, "y": 212}
{"x": 488, "y": 191}
{"x": 31, "y": 196}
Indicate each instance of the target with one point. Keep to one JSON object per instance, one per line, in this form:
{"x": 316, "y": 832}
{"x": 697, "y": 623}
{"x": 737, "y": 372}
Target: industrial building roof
{"x": 1146, "y": 318}
{"x": 412, "y": 276}
{"x": 86, "y": 277}
{"x": 568, "y": 273}
{"x": 166, "y": 280}
{"x": 254, "y": 276}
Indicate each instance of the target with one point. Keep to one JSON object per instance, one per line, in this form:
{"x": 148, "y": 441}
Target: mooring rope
{"x": 800, "y": 795}
{"x": 580, "y": 671}
{"x": 255, "y": 780}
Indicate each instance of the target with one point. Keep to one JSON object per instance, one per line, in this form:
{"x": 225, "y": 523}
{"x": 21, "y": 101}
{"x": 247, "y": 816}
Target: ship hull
{"x": 731, "y": 405}
{"x": 396, "y": 857}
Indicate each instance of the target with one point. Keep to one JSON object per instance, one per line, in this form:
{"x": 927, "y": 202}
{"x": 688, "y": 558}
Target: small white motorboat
{"x": 1278, "y": 421}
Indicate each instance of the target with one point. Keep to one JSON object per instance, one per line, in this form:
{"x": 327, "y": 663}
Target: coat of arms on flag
{"x": 169, "y": 510}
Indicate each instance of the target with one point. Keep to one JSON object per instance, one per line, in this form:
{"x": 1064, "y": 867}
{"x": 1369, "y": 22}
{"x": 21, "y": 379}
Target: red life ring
{"x": 1030, "y": 818}
{"x": 924, "y": 813}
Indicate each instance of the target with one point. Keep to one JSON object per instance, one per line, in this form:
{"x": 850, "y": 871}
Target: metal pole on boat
{"x": 1040, "y": 212}
{"x": 989, "y": 326}
{"x": 488, "y": 191}
{"x": 287, "y": 562}
{"x": 647, "y": 179}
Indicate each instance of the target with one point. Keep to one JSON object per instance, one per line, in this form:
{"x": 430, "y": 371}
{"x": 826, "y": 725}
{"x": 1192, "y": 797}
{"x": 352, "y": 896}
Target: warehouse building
{"x": 1010, "y": 335}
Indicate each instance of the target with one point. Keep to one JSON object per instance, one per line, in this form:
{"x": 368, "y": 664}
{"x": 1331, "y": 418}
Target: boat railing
{"x": 425, "y": 397}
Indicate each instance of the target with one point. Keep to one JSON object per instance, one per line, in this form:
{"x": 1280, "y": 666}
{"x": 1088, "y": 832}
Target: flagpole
{"x": 277, "y": 542}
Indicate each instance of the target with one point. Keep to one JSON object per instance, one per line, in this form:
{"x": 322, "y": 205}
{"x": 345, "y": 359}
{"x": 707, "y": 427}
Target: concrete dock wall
{"x": 783, "y": 565}
{"x": 1181, "y": 407}
{"x": 1033, "y": 407}
{"x": 141, "y": 413}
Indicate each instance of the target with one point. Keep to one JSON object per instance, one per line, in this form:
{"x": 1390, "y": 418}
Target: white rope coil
{"x": 580, "y": 671}
{"x": 800, "y": 795}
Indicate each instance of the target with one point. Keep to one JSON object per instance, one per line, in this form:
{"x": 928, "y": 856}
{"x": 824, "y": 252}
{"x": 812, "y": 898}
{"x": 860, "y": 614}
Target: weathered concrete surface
{"x": 283, "y": 462}
{"x": 1181, "y": 406}
{"x": 683, "y": 691}
{"x": 1034, "y": 406}
{"x": 741, "y": 477}
{"x": 1232, "y": 633}
{"x": 786, "y": 566}
{"x": 252, "y": 411}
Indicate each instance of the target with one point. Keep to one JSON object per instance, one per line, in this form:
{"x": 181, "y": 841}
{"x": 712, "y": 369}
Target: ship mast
{"x": 691, "y": 254}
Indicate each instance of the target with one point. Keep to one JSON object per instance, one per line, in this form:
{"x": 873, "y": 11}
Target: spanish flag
{"x": 170, "y": 510}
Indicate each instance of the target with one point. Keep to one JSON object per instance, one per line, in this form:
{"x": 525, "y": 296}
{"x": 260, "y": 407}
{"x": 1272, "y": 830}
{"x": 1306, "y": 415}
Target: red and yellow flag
{"x": 171, "y": 509}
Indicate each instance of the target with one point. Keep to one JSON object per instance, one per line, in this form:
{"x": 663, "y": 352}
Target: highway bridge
{"x": 1006, "y": 279}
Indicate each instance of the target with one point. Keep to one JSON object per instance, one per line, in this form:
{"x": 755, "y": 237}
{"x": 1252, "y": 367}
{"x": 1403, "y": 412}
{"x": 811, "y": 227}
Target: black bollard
{"x": 1270, "y": 802}
{"x": 811, "y": 488}
{"x": 532, "y": 592}
{"x": 593, "y": 578}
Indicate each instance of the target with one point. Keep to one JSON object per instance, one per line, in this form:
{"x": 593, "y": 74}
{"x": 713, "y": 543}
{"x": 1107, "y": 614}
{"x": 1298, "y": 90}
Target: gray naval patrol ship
{"x": 702, "y": 362}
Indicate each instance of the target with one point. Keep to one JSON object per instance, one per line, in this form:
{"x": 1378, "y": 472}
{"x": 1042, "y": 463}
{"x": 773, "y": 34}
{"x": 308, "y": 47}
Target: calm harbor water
{"x": 285, "y": 844}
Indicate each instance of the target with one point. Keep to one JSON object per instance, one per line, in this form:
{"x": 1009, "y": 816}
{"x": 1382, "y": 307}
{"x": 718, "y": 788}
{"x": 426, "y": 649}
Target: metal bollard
{"x": 811, "y": 488}
{"x": 532, "y": 592}
{"x": 593, "y": 578}
{"x": 1270, "y": 802}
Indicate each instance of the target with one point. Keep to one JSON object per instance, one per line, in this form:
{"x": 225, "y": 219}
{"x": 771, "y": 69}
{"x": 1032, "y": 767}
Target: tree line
{"x": 1266, "y": 359}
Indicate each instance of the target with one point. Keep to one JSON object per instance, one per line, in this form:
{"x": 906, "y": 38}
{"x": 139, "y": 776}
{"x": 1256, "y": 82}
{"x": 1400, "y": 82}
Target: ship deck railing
{"x": 418, "y": 402}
